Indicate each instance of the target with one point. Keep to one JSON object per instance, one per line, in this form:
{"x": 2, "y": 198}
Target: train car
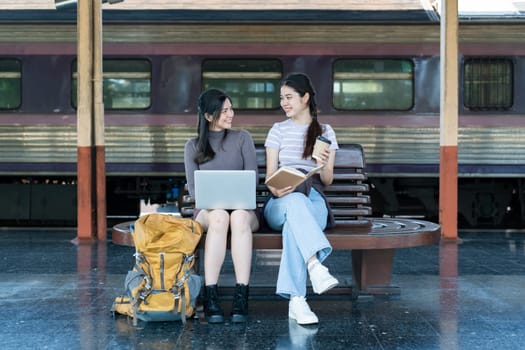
{"x": 377, "y": 76}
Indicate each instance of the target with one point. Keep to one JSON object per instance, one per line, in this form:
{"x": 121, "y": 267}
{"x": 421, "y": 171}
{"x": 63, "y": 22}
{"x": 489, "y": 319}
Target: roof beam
{"x": 62, "y": 4}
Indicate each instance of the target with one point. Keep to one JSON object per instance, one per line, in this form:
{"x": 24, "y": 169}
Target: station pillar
{"x": 91, "y": 177}
{"x": 448, "y": 160}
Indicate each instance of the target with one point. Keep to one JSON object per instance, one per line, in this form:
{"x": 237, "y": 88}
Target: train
{"x": 377, "y": 81}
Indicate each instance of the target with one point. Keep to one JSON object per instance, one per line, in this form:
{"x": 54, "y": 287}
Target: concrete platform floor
{"x": 464, "y": 295}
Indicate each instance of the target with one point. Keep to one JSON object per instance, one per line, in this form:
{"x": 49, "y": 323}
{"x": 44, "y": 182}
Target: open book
{"x": 286, "y": 176}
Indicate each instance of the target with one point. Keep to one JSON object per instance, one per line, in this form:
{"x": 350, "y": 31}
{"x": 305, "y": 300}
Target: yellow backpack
{"x": 162, "y": 285}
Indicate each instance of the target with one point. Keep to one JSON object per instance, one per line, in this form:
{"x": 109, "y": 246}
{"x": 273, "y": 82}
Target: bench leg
{"x": 371, "y": 271}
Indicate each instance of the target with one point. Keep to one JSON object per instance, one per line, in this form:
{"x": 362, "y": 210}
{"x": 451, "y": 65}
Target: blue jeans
{"x": 302, "y": 221}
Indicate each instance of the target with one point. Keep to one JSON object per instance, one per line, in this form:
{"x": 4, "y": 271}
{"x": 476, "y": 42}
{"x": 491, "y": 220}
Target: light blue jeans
{"x": 302, "y": 221}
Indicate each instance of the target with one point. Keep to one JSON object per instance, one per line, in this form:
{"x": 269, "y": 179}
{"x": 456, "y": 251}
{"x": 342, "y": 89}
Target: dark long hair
{"x": 209, "y": 102}
{"x": 302, "y": 84}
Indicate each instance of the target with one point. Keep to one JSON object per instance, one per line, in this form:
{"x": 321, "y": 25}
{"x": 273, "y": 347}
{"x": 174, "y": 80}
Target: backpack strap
{"x": 142, "y": 294}
{"x": 180, "y": 292}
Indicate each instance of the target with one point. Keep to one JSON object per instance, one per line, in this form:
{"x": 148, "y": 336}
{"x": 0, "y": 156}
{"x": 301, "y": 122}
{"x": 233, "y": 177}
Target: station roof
{"x": 359, "y": 11}
{"x": 234, "y": 4}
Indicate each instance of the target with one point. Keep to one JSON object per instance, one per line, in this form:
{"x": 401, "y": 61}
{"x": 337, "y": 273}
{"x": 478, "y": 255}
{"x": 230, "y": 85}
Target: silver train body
{"x": 144, "y": 148}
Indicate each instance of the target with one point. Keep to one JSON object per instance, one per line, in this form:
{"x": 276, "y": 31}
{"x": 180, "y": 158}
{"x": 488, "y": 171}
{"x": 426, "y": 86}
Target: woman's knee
{"x": 243, "y": 220}
{"x": 294, "y": 198}
{"x": 294, "y": 202}
{"x": 218, "y": 219}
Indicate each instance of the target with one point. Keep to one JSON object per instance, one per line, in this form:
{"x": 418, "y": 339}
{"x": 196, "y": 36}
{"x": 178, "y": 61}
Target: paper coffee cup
{"x": 321, "y": 143}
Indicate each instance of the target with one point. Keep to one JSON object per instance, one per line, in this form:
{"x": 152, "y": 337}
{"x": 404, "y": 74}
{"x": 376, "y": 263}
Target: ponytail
{"x": 302, "y": 84}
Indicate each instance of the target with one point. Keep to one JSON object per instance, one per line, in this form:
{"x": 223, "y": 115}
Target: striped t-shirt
{"x": 288, "y": 137}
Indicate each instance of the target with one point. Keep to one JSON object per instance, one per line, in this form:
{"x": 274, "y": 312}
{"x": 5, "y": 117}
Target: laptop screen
{"x": 225, "y": 189}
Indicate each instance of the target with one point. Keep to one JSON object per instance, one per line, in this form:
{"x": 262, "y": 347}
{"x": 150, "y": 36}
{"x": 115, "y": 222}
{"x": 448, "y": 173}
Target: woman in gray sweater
{"x": 218, "y": 147}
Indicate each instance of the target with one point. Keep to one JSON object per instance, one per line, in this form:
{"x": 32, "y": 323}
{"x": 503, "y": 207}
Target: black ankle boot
{"x": 240, "y": 303}
{"x": 212, "y": 308}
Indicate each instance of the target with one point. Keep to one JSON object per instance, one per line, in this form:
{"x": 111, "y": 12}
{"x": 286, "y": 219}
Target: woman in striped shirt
{"x": 301, "y": 214}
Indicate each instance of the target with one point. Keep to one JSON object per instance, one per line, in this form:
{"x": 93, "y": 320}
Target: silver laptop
{"x": 225, "y": 189}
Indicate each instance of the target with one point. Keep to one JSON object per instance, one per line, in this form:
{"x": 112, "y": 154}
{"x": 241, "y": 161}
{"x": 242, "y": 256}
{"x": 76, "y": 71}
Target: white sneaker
{"x": 321, "y": 278}
{"x": 299, "y": 310}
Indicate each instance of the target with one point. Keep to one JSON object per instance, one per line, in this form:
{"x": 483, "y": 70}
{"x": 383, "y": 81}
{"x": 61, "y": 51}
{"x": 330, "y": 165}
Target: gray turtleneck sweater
{"x": 235, "y": 152}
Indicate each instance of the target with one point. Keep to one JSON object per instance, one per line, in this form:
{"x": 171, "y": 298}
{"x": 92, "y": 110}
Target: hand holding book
{"x": 286, "y": 176}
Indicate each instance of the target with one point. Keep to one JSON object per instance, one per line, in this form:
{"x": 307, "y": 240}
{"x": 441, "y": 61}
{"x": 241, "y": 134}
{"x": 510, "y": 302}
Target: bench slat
{"x": 348, "y": 212}
{"x": 350, "y": 156}
{"x": 349, "y": 199}
{"x": 347, "y": 188}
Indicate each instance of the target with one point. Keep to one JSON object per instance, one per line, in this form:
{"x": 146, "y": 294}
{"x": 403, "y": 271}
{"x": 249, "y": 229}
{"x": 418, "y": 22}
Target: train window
{"x": 373, "y": 84}
{"x": 251, "y": 84}
{"x": 488, "y": 83}
{"x": 126, "y": 84}
{"x": 10, "y": 86}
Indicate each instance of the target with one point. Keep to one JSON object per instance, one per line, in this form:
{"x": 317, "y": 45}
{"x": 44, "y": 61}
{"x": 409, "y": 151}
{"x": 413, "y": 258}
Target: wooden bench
{"x": 373, "y": 241}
